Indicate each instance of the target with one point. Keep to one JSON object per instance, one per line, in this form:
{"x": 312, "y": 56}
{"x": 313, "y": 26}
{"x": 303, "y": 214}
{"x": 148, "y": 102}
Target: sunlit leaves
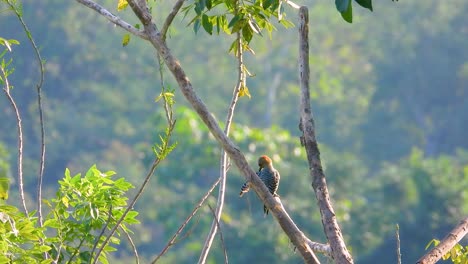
{"x": 85, "y": 204}
{"x": 121, "y": 5}
{"x": 244, "y": 91}
{"x": 8, "y": 43}
{"x": 125, "y": 39}
{"x": 4, "y": 186}
{"x": 247, "y": 18}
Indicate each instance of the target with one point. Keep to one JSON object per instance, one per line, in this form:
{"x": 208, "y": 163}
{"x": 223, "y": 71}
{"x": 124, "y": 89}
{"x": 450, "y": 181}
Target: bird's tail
{"x": 245, "y": 188}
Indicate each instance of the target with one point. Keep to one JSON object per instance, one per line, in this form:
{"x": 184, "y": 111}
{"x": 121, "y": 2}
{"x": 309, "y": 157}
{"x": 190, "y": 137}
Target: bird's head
{"x": 264, "y": 161}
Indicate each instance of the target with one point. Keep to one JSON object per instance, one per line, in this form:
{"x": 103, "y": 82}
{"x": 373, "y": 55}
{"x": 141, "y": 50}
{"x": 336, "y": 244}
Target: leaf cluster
{"x": 246, "y": 17}
{"x": 83, "y": 209}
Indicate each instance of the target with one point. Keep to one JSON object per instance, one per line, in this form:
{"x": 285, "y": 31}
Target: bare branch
{"x": 446, "y": 244}
{"x": 220, "y": 235}
{"x": 398, "y": 253}
{"x": 134, "y": 249}
{"x": 39, "y": 103}
{"x": 141, "y": 10}
{"x": 6, "y": 89}
{"x": 332, "y": 230}
{"x": 194, "y": 211}
{"x": 319, "y": 247}
{"x": 224, "y": 160}
{"x": 292, "y": 4}
{"x": 171, "y": 17}
{"x": 113, "y": 18}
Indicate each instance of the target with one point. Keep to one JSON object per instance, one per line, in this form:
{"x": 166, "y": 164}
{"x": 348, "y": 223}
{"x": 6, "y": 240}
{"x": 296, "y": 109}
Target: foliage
{"x": 20, "y": 238}
{"x": 84, "y": 208}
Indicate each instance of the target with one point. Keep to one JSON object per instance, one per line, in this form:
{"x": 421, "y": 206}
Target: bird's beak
{"x": 259, "y": 169}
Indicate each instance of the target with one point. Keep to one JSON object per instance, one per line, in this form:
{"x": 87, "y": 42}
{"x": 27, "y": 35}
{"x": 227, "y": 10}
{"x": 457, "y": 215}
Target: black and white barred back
{"x": 270, "y": 178}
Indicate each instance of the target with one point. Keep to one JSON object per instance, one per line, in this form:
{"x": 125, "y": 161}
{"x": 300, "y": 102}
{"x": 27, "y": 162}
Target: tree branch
{"x": 332, "y": 230}
{"x": 194, "y": 211}
{"x": 224, "y": 159}
{"x": 446, "y": 244}
{"x": 113, "y": 18}
{"x": 39, "y": 103}
{"x": 6, "y": 89}
{"x": 170, "y": 18}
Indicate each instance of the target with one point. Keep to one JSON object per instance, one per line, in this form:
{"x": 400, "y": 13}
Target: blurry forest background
{"x": 390, "y": 100}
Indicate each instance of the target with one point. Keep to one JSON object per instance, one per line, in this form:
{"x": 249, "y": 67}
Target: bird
{"x": 269, "y": 176}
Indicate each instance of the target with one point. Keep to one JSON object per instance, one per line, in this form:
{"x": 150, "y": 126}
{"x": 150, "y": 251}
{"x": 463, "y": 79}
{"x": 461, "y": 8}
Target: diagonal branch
{"x": 446, "y": 244}
{"x": 113, "y": 18}
{"x": 171, "y": 17}
{"x": 224, "y": 159}
{"x": 194, "y": 211}
{"x": 332, "y": 230}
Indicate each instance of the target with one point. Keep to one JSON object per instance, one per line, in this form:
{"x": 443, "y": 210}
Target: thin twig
{"x": 6, "y": 89}
{"x": 292, "y": 4}
{"x": 194, "y": 211}
{"x": 39, "y": 103}
{"x": 224, "y": 159}
{"x": 170, "y": 18}
{"x": 226, "y": 261}
{"x": 135, "y": 251}
{"x": 113, "y": 18}
{"x": 109, "y": 217}
{"x": 397, "y": 234}
{"x": 132, "y": 203}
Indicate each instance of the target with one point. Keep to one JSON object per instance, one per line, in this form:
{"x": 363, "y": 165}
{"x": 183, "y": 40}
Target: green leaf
{"x": 125, "y": 40}
{"x": 122, "y": 4}
{"x": 4, "y": 186}
{"x": 254, "y": 26}
{"x": 199, "y": 6}
{"x": 247, "y": 34}
{"x": 267, "y": 3}
{"x": 286, "y": 23}
{"x": 207, "y": 25}
{"x": 348, "y": 14}
{"x": 44, "y": 248}
{"x": 342, "y": 5}
{"x": 52, "y": 223}
{"x": 234, "y": 21}
{"x": 365, "y": 3}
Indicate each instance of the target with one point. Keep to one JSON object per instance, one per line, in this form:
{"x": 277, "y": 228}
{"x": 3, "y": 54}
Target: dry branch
{"x": 332, "y": 230}
{"x": 446, "y": 244}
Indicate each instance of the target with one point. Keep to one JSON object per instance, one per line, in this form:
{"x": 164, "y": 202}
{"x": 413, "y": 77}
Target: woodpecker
{"x": 268, "y": 174}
